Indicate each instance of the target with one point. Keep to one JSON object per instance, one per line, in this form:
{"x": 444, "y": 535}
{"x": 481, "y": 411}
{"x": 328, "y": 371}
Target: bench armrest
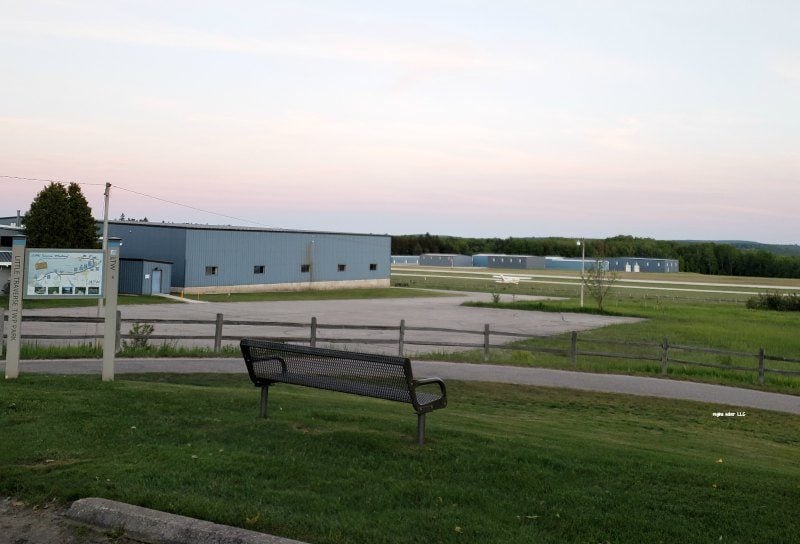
{"x": 440, "y": 403}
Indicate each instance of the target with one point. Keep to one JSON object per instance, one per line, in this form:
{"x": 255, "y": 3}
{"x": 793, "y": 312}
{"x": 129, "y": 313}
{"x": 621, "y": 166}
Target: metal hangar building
{"x": 228, "y": 259}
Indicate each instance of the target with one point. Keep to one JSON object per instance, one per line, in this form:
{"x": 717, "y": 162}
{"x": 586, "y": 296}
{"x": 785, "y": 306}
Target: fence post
{"x": 118, "y": 333}
{"x": 402, "y": 337}
{"x": 218, "y": 334}
{"x": 2, "y": 324}
{"x": 761, "y": 366}
{"x": 486, "y": 343}
{"x": 573, "y": 348}
{"x": 664, "y": 356}
{"x": 313, "y": 338}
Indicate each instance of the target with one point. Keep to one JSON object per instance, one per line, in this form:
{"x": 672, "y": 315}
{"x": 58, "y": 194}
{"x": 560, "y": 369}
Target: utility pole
{"x": 582, "y": 243}
{"x": 105, "y": 250}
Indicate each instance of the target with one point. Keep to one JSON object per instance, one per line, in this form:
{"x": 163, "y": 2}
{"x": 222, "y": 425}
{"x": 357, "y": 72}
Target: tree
{"x": 60, "y": 217}
{"x": 598, "y": 281}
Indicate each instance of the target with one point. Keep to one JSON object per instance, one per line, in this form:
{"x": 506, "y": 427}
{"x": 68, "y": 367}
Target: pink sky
{"x": 570, "y": 120}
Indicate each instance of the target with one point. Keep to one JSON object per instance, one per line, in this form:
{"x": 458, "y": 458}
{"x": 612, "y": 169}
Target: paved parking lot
{"x": 441, "y": 312}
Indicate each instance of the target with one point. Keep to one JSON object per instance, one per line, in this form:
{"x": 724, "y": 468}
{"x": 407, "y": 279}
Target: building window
{"x": 305, "y": 268}
{"x": 258, "y": 269}
{"x": 342, "y": 267}
{"x": 212, "y": 270}
{"x": 373, "y": 266}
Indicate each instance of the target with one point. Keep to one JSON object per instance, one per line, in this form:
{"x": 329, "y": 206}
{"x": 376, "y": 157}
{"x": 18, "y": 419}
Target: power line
{"x": 189, "y": 207}
{"x": 41, "y": 180}
{"x": 48, "y": 180}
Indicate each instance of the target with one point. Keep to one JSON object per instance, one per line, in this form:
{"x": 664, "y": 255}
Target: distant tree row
{"x": 701, "y": 257}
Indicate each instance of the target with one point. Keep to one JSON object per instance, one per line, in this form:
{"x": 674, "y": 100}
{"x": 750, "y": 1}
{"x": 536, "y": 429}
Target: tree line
{"x": 702, "y": 257}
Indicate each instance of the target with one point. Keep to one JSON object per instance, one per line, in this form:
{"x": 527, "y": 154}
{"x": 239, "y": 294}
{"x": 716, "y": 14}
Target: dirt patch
{"x": 22, "y": 523}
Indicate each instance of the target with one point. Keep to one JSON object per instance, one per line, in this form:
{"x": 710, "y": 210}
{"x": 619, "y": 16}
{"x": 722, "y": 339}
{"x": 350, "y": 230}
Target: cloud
{"x": 787, "y": 66}
{"x": 426, "y": 54}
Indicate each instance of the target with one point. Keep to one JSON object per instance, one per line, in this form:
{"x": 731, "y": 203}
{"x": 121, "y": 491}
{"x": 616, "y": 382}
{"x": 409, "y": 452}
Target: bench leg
{"x": 264, "y": 395}
{"x": 420, "y": 429}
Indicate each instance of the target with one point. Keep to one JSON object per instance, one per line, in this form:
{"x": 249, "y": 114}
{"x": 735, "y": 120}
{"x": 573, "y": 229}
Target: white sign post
{"x": 62, "y": 273}
{"x": 15, "y": 306}
{"x": 111, "y": 281}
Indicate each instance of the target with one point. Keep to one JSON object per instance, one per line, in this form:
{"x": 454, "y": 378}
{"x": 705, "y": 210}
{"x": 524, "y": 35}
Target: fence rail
{"x": 629, "y": 350}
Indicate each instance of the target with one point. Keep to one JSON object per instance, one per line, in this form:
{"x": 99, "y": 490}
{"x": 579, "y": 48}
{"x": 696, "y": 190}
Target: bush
{"x": 775, "y": 301}
{"x": 140, "y": 333}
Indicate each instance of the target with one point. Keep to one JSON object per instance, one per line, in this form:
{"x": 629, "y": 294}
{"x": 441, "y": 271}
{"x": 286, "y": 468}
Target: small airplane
{"x": 502, "y": 278}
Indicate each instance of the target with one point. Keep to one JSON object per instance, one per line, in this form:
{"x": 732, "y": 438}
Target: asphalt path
{"x": 441, "y": 312}
{"x": 729, "y": 399}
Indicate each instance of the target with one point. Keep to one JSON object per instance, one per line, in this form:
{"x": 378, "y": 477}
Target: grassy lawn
{"x": 502, "y": 464}
{"x": 81, "y": 303}
{"x": 686, "y": 318}
{"x": 338, "y": 294}
{"x": 334, "y": 294}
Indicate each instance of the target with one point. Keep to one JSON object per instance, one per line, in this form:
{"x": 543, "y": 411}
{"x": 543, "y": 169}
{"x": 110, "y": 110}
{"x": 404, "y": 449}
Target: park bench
{"x": 370, "y": 375}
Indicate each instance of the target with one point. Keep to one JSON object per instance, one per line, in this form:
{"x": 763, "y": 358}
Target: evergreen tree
{"x": 60, "y": 218}
{"x": 82, "y": 225}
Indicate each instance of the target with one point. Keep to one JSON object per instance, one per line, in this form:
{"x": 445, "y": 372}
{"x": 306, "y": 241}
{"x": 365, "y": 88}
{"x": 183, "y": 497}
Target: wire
{"x": 47, "y": 180}
{"x": 190, "y": 207}
{"x": 361, "y": 242}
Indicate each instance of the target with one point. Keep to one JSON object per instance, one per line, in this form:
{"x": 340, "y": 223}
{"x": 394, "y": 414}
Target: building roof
{"x": 197, "y": 226}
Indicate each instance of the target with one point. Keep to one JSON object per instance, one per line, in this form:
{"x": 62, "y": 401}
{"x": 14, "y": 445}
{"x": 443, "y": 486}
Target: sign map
{"x": 64, "y": 273}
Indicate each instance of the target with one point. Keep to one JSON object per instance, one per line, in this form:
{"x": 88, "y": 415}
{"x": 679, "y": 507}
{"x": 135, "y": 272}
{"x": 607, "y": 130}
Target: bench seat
{"x": 370, "y": 375}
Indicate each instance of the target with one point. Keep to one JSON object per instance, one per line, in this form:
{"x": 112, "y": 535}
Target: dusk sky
{"x": 666, "y": 119}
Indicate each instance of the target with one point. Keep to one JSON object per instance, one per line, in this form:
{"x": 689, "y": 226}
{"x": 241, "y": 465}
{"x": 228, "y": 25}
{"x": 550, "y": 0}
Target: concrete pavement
{"x": 543, "y": 377}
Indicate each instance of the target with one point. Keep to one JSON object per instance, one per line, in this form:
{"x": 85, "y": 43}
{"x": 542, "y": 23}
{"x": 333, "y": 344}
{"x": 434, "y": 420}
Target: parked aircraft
{"x": 503, "y": 278}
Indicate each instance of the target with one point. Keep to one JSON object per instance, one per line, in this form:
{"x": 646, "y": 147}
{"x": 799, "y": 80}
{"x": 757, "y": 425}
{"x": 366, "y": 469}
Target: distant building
{"x": 524, "y": 262}
{"x": 405, "y": 259}
{"x": 226, "y": 259}
{"x": 642, "y": 264}
{"x": 144, "y": 277}
{"x": 563, "y": 263}
{"x": 6, "y": 233}
{"x": 444, "y": 259}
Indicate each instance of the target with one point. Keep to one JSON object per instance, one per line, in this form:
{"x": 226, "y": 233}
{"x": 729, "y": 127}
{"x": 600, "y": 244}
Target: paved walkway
{"x": 421, "y": 312}
{"x": 728, "y": 397}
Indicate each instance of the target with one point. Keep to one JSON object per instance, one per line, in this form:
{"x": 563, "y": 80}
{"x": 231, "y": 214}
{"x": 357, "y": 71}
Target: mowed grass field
{"x": 685, "y": 318}
{"x": 502, "y": 463}
{"x": 335, "y": 294}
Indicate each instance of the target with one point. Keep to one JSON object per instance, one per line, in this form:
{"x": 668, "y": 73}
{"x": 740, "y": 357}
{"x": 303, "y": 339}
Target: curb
{"x": 159, "y": 527}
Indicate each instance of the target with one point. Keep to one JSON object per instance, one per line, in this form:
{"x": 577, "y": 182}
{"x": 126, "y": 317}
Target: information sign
{"x": 63, "y": 273}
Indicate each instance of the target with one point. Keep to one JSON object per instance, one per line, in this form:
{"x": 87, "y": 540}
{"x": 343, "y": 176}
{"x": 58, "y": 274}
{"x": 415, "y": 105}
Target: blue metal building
{"x": 643, "y": 264}
{"x": 225, "y": 259}
{"x": 444, "y": 259}
{"x": 562, "y": 263}
{"x": 144, "y": 277}
{"x": 405, "y": 259}
{"x": 523, "y": 262}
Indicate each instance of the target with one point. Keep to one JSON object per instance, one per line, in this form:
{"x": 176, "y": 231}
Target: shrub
{"x": 775, "y": 301}
{"x": 140, "y": 333}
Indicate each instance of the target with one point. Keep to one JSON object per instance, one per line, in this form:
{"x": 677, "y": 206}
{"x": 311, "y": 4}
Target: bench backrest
{"x": 380, "y": 376}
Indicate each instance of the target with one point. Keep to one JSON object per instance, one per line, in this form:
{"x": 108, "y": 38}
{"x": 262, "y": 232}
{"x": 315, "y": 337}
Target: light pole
{"x": 582, "y": 243}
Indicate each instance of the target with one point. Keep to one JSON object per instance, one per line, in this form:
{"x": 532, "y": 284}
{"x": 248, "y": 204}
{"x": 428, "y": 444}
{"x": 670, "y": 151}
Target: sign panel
{"x": 64, "y": 273}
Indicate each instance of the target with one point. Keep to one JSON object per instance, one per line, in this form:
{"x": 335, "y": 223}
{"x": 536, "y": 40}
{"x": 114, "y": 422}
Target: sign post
{"x": 15, "y": 306}
{"x": 111, "y": 286}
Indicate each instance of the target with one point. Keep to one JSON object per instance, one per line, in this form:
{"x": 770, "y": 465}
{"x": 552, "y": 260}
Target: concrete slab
{"x": 445, "y": 312}
{"x": 156, "y": 527}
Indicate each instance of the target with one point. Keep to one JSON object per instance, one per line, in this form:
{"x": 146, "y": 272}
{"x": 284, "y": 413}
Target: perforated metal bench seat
{"x": 369, "y": 375}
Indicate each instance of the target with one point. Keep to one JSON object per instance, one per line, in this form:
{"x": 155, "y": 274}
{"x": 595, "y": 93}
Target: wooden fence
{"x": 310, "y": 333}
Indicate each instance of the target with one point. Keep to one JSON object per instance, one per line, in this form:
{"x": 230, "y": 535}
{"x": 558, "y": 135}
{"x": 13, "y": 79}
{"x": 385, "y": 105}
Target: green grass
{"x": 334, "y": 294}
{"x": 122, "y": 300}
{"x": 337, "y": 294}
{"x": 502, "y": 463}
{"x": 92, "y": 351}
{"x": 687, "y": 319}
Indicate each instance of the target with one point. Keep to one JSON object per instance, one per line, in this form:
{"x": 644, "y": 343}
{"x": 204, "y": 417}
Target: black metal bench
{"x": 380, "y": 376}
